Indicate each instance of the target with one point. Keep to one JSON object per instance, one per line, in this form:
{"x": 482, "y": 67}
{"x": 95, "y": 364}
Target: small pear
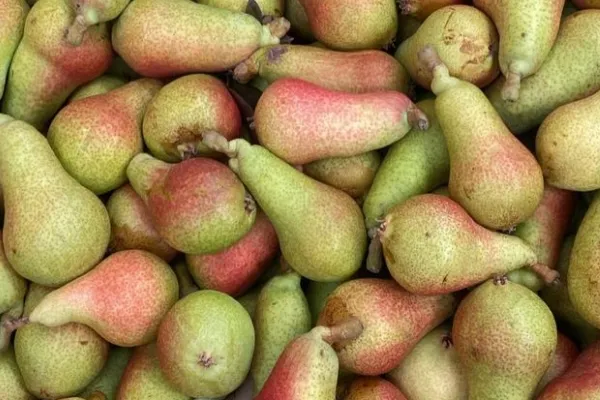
{"x": 107, "y": 381}
{"x": 316, "y": 295}
{"x": 12, "y": 293}
{"x": 92, "y": 12}
{"x": 267, "y": 7}
{"x": 209, "y": 39}
{"x": 565, "y": 354}
{"x": 113, "y": 298}
{"x": 300, "y": 27}
{"x": 320, "y": 229}
{"x": 12, "y": 385}
{"x": 96, "y": 138}
{"x": 12, "y": 22}
{"x": 184, "y": 278}
{"x": 54, "y": 229}
{"x": 205, "y": 344}
{"x": 368, "y": 388}
{"x": 505, "y": 336}
{"x": 100, "y": 85}
{"x": 421, "y": 9}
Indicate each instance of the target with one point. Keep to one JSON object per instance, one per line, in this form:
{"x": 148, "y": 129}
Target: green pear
{"x": 100, "y": 85}
{"x": 61, "y": 361}
{"x": 107, "y": 381}
{"x": 54, "y": 228}
{"x": 316, "y": 295}
{"x": 267, "y": 7}
{"x": 12, "y": 386}
{"x": 12, "y": 294}
{"x": 320, "y": 229}
{"x": 281, "y": 315}
{"x": 92, "y": 12}
{"x": 12, "y": 22}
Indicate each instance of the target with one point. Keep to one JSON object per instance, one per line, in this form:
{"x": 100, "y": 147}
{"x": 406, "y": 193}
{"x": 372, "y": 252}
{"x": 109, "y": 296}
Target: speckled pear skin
{"x": 267, "y": 7}
{"x": 414, "y": 165}
{"x": 206, "y": 39}
{"x": 281, "y": 315}
{"x": 100, "y": 85}
{"x": 394, "y": 320}
{"x": 47, "y": 242}
{"x": 432, "y": 369}
{"x": 60, "y": 361}
{"x": 567, "y": 142}
{"x": 195, "y": 344}
{"x": 586, "y": 3}
{"x": 131, "y": 225}
{"x": 351, "y": 24}
{"x": 569, "y": 73}
{"x": 527, "y": 33}
{"x": 12, "y": 22}
{"x": 46, "y": 69}
{"x": 112, "y": 298}
{"x": 143, "y": 379}
{"x": 421, "y": 9}
{"x": 183, "y": 110}
{"x": 432, "y": 246}
{"x": 581, "y": 381}
{"x": 235, "y": 269}
{"x": 301, "y": 122}
{"x": 359, "y": 71}
{"x": 11, "y": 382}
{"x": 92, "y": 12}
{"x": 198, "y": 206}
{"x": 493, "y": 334}
{"x": 96, "y": 138}
{"x": 295, "y": 13}
{"x": 492, "y": 174}
{"x": 544, "y": 231}
{"x": 369, "y": 387}
{"x": 107, "y": 381}
{"x": 565, "y": 354}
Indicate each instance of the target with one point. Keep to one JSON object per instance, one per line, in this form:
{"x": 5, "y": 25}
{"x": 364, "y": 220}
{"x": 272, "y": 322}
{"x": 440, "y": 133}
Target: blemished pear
{"x": 267, "y": 7}
{"x": 565, "y": 354}
{"x": 569, "y": 73}
{"x": 363, "y": 71}
{"x": 300, "y": 27}
{"x": 421, "y": 9}
{"x": 492, "y": 174}
{"x": 12, "y": 22}
{"x": 209, "y": 39}
{"x": 113, "y": 298}
{"x": 368, "y": 388}
{"x": 301, "y": 122}
{"x": 11, "y": 382}
{"x": 12, "y": 294}
{"x": 92, "y": 12}
{"x": 466, "y": 41}
{"x": 431, "y": 246}
{"x": 47, "y": 242}
{"x": 320, "y": 229}
{"x": 107, "y": 381}
{"x": 96, "y": 138}
{"x": 100, "y": 85}
{"x": 44, "y": 56}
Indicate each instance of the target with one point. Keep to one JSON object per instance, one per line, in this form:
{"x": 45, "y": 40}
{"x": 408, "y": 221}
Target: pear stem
{"x": 374, "y": 255}
{"x": 76, "y": 31}
{"x": 417, "y": 118}
{"x": 218, "y": 142}
{"x": 546, "y": 273}
{"x": 279, "y": 27}
{"x": 347, "y": 330}
{"x": 245, "y": 71}
{"x": 510, "y": 90}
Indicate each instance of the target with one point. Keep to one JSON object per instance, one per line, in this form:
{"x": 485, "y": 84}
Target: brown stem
{"x": 245, "y": 71}
{"x": 375, "y": 252}
{"x": 347, "y": 330}
{"x": 429, "y": 57}
{"x": 546, "y": 273}
{"x": 279, "y": 26}
{"x": 510, "y": 90}
{"x": 417, "y": 118}
{"x": 76, "y": 31}
{"x": 218, "y": 142}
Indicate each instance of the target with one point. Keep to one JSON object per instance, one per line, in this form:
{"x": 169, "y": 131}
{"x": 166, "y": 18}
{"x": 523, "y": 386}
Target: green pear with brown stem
{"x": 12, "y": 295}
{"x": 11, "y": 382}
{"x": 107, "y": 381}
{"x": 12, "y": 22}
{"x": 100, "y": 85}
{"x": 92, "y": 12}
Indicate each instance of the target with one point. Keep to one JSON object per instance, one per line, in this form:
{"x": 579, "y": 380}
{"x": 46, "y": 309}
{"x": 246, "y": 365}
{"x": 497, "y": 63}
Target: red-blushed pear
{"x": 369, "y": 388}
{"x": 113, "y": 298}
{"x": 565, "y": 354}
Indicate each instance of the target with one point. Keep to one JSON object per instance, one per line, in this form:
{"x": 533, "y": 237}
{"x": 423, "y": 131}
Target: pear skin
{"x": 421, "y": 9}
{"x": 96, "y": 138}
{"x": 107, "y": 381}
{"x": 47, "y": 242}
{"x": 209, "y": 39}
{"x": 46, "y": 69}
{"x": 569, "y": 73}
{"x": 12, "y": 22}
{"x": 184, "y": 278}
{"x": 100, "y": 85}
{"x": 12, "y": 294}
{"x": 250, "y": 300}
{"x": 267, "y": 7}
{"x": 367, "y": 388}
{"x": 11, "y": 382}
{"x": 300, "y": 27}
{"x": 112, "y": 298}
{"x": 301, "y": 122}
{"x": 92, "y": 12}
{"x": 492, "y": 333}
{"x": 316, "y": 295}
{"x": 565, "y": 354}
{"x": 583, "y": 4}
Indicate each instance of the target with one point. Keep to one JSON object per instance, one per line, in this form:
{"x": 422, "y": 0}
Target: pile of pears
{"x": 299, "y": 200}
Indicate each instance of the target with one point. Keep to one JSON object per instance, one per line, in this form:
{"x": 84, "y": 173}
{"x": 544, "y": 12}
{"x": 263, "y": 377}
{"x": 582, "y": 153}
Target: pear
{"x": 492, "y": 174}
{"x": 107, "y": 381}
{"x": 143, "y": 378}
{"x": 54, "y": 229}
{"x": 92, "y": 12}
{"x": 184, "y": 278}
{"x": 195, "y": 344}
{"x": 567, "y": 144}
{"x": 432, "y": 246}
{"x": 100, "y": 85}
{"x": 432, "y": 369}
{"x": 267, "y": 7}
{"x": 414, "y": 165}
{"x": 235, "y": 269}
{"x": 131, "y": 225}
{"x": 281, "y": 315}
{"x": 208, "y": 39}
{"x": 198, "y": 206}
{"x": 394, "y": 320}
{"x": 113, "y": 298}
{"x": 96, "y": 138}
{"x": 421, "y": 9}
{"x": 544, "y": 232}
{"x": 303, "y": 211}
{"x": 368, "y": 388}
{"x": 295, "y": 13}
{"x": 346, "y": 25}
{"x": 565, "y": 354}
{"x": 12, "y": 293}
{"x": 12, "y": 22}
{"x": 46, "y": 69}
{"x": 363, "y": 71}
{"x": 569, "y": 73}
{"x": 183, "y": 110}
{"x": 60, "y": 361}
{"x": 11, "y": 381}
{"x": 339, "y": 125}
{"x": 250, "y": 300}
{"x": 527, "y": 33}
{"x": 316, "y": 295}
{"x": 586, "y": 3}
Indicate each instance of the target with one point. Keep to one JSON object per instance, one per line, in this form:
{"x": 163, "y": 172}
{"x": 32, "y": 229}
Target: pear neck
{"x": 144, "y": 172}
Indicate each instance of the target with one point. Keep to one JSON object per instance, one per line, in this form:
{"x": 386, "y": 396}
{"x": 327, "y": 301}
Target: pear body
{"x": 366, "y": 388}
{"x": 54, "y": 229}
{"x": 107, "y": 381}
{"x": 11, "y": 382}
{"x": 492, "y": 333}
{"x": 12, "y": 294}
{"x": 565, "y": 354}
{"x": 421, "y": 9}
{"x": 100, "y": 85}
{"x": 267, "y": 7}
{"x": 12, "y": 22}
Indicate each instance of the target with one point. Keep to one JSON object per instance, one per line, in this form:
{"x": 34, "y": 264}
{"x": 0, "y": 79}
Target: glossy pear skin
{"x": 492, "y": 333}
{"x": 107, "y": 381}
{"x": 267, "y": 7}
{"x": 112, "y": 298}
{"x": 209, "y": 39}
{"x": 100, "y": 85}
{"x": 47, "y": 242}
{"x": 46, "y": 69}
{"x": 12, "y": 22}
{"x": 11, "y": 381}
{"x": 569, "y": 73}
{"x": 466, "y": 41}
{"x": 301, "y": 122}
{"x": 365, "y": 388}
